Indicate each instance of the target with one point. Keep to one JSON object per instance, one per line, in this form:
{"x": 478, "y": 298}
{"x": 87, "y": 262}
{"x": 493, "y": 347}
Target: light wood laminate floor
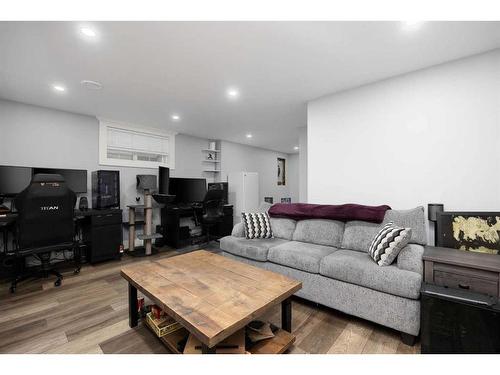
{"x": 88, "y": 314}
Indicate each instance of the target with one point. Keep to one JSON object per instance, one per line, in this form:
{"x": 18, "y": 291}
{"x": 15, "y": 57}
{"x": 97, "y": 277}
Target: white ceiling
{"x": 150, "y": 70}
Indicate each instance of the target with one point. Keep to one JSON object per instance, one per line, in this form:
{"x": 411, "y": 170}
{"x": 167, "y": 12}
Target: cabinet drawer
{"x": 481, "y": 282}
{"x": 105, "y": 219}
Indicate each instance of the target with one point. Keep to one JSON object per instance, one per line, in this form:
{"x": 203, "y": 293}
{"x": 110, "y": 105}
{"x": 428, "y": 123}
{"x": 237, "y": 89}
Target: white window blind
{"x": 133, "y": 146}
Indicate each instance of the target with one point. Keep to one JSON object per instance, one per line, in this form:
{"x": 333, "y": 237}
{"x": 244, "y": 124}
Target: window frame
{"x": 104, "y": 124}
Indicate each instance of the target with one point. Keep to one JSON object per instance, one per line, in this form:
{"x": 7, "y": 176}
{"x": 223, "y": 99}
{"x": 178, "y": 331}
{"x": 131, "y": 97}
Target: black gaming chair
{"x": 44, "y": 224}
{"x": 213, "y": 209}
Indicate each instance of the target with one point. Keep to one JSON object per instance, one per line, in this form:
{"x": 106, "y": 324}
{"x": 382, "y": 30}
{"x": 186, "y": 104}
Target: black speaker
{"x": 164, "y": 179}
{"x": 433, "y": 209}
{"x": 83, "y": 204}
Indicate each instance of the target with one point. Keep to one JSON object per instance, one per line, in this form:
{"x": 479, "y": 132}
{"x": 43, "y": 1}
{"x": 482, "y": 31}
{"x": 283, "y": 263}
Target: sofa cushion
{"x": 319, "y": 231}
{"x": 238, "y": 230}
{"x": 264, "y": 207}
{"x": 283, "y": 228}
{"x": 358, "y": 235}
{"x": 410, "y": 258}
{"x": 299, "y": 255}
{"x": 358, "y": 268}
{"x": 252, "y": 249}
{"x": 414, "y": 219}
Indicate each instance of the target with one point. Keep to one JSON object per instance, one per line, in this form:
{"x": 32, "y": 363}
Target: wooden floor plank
{"x": 382, "y": 341}
{"x": 353, "y": 338}
{"x": 88, "y": 314}
{"x": 87, "y": 342}
{"x": 324, "y": 335}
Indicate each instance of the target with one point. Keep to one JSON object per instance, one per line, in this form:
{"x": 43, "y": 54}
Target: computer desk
{"x": 99, "y": 229}
{"x": 177, "y": 236}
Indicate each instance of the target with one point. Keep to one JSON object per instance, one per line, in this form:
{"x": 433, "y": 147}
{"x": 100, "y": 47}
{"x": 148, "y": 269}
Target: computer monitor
{"x": 76, "y": 179}
{"x": 188, "y": 190}
{"x": 13, "y": 180}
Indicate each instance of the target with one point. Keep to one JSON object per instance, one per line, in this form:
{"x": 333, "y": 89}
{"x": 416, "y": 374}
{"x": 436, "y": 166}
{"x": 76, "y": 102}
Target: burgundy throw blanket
{"x": 341, "y": 212}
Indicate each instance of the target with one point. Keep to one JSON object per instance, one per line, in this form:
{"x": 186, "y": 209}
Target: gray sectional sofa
{"x": 331, "y": 259}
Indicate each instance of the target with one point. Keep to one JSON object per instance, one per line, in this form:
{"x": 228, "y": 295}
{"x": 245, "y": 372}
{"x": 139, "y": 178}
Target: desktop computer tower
{"x": 105, "y": 189}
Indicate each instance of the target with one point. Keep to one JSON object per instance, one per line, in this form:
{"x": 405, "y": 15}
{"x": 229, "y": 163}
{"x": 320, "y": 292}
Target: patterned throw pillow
{"x": 388, "y": 242}
{"x": 257, "y": 225}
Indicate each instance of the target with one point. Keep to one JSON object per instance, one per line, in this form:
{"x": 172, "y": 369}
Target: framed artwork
{"x": 281, "y": 171}
{"x": 469, "y": 231}
{"x": 269, "y": 200}
{"x": 286, "y": 200}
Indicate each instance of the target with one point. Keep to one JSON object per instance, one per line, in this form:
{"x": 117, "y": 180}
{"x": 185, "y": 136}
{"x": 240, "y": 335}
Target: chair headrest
{"x": 46, "y": 177}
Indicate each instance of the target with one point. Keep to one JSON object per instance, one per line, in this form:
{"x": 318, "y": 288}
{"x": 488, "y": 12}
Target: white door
{"x": 250, "y": 191}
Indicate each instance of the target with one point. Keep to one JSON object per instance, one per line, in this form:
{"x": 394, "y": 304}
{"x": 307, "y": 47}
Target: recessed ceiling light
{"x": 59, "y": 88}
{"x": 87, "y": 31}
{"x": 296, "y": 148}
{"x": 411, "y": 25}
{"x": 249, "y": 135}
{"x": 232, "y": 93}
{"x": 175, "y": 117}
{"x": 91, "y": 85}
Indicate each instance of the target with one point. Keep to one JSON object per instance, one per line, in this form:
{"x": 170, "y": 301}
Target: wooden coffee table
{"x": 213, "y": 297}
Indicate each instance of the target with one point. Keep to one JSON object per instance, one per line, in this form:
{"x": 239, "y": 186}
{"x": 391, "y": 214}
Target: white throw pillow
{"x": 388, "y": 242}
{"x": 257, "y": 225}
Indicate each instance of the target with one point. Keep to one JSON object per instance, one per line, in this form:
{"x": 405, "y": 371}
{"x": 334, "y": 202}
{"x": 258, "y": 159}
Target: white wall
{"x": 303, "y": 165}
{"x": 36, "y": 136}
{"x": 293, "y": 177}
{"x": 428, "y": 136}
{"x": 237, "y": 158}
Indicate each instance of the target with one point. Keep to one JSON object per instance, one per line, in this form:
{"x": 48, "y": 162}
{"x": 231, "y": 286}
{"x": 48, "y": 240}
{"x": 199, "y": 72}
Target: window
{"x": 133, "y": 146}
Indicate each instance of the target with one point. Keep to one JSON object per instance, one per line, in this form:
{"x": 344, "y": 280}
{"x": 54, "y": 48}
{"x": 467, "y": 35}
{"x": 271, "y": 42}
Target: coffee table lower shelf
{"x": 280, "y": 343}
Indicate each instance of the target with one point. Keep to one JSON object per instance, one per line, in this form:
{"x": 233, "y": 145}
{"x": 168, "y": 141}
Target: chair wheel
{"x": 12, "y": 289}
{"x": 57, "y": 282}
{"x": 77, "y": 271}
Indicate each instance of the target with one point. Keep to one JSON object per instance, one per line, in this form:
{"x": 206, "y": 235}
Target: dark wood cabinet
{"x": 459, "y": 302}
{"x": 102, "y": 232}
{"x": 458, "y": 321}
{"x": 465, "y": 270}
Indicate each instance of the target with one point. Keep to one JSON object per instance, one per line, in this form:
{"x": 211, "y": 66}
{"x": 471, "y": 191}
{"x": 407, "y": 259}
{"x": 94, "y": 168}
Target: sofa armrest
{"x": 410, "y": 258}
{"x": 238, "y": 230}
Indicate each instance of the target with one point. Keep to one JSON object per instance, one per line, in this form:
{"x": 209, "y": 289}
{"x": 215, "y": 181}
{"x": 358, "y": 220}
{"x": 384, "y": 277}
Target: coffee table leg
{"x": 206, "y": 350}
{"x": 286, "y": 315}
{"x": 133, "y": 315}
